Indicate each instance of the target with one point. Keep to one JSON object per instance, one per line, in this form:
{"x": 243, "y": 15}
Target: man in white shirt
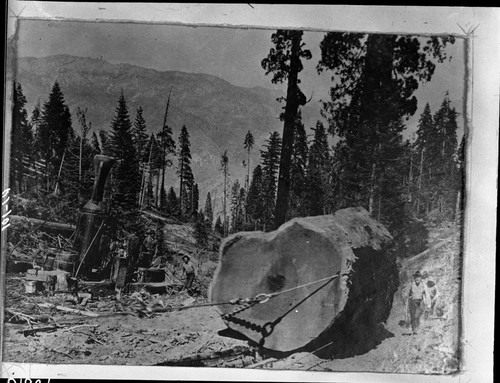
{"x": 190, "y": 270}
{"x": 417, "y": 294}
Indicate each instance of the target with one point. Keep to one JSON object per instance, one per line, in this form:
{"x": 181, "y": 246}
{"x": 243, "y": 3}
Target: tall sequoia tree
{"x": 21, "y": 139}
{"x": 375, "y": 77}
{"x": 54, "y": 131}
{"x": 284, "y": 62}
{"x": 126, "y": 172}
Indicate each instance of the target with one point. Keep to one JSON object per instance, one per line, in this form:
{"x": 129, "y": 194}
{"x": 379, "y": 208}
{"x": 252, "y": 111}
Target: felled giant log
{"x": 330, "y": 278}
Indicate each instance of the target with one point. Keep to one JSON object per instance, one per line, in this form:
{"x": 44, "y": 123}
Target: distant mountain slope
{"x": 216, "y": 113}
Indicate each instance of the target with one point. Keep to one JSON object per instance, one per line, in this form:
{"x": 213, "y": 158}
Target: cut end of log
{"x": 307, "y": 265}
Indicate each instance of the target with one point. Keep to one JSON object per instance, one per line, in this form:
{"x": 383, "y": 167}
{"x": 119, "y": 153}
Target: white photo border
{"x": 481, "y": 28}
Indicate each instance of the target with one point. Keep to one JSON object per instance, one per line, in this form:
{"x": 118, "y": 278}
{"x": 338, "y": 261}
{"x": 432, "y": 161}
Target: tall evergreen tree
{"x": 126, "y": 172}
{"x": 317, "y": 171}
{"x": 298, "y": 181}
{"x": 35, "y": 122}
{"x": 155, "y": 159}
{"x": 248, "y": 145}
{"x": 254, "y": 203}
{"x": 219, "y": 227}
{"x": 209, "y": 213}
{"x": 141, "y": 143}
{"x": 21, "y": 140}
{"x": 36, "y": 118}
{"x": 427, "y": 147}
{"x": 166, "y": 145}
{"x": 54, "y": 131}
{"x": 172, "y": 208}
{"x": 374, "y": 83}
{"x": 445, "y": 170}
{"x": 224, "y": 166}
{"x": 78, "y": 170}
{"x": 237, "y": 207}
{"x": 255, "y": 197}
{"x": 195, "y": 199}
{"x": 184, "y": 172}
{"x": 270, "y": 158}
{"x": 140, "y": 136}
{"x": 284, "y": 62}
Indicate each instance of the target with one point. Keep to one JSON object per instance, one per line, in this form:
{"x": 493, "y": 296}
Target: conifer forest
{"x": 114, "y": 193}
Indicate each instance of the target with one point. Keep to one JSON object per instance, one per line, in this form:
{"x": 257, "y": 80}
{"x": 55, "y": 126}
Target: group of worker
{"x": 421, "y": 297}
{"x": 149, "y": 257}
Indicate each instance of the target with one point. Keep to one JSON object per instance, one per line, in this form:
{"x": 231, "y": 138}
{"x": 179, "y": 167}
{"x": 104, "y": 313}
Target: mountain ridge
{"x": 216, "y": 113}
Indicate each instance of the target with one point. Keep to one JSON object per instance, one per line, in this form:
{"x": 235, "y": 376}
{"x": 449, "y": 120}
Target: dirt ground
{"x": 125, "y": 339}
{"x": 112, "y": 340}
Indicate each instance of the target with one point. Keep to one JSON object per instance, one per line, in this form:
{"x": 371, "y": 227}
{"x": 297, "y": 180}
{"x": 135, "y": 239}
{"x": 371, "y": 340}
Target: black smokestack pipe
{"x": 102, "y": 166}
{"x": 91, "y": 218}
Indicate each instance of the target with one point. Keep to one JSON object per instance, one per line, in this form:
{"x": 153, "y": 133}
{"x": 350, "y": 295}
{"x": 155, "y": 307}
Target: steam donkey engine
{"x": 93, "y": 234}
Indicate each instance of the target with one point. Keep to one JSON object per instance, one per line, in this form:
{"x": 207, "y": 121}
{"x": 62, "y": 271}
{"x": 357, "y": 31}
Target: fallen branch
{"x": 68, "y": 309}
{"x": 262, "y": 363}
{"x": 409, "y": 261}
{"x": 80, "y": 325}
{"x": 236, "y": 351}
{"x": 32, "y": 331}
{"x": 20, "y": 315}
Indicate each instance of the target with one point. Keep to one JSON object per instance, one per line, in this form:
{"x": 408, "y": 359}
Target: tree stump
{"x": 346, "y": 254}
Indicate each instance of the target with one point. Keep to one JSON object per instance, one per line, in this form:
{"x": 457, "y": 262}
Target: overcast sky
{"x": 229, "y": 53}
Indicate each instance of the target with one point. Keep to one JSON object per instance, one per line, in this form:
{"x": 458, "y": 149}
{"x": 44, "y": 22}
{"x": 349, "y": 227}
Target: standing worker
{"x": 417, "y": 294}
{"x": 433, "y": 295}
{"x": 190, "y": 271}
{"x": 148, "y": 250}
